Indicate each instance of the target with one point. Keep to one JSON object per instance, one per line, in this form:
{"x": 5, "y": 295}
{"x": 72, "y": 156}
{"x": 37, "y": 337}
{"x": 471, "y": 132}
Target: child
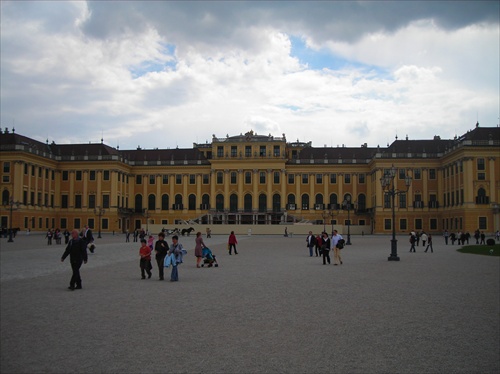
{"x": 151, "y": 240}
{"x": 145, "y": 262}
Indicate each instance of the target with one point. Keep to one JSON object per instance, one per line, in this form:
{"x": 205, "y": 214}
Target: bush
{"x": 490, "y": 241}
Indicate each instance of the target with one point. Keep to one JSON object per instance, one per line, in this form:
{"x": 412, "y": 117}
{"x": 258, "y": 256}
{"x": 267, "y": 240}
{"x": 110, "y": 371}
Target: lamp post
{"x": 328, "y": 213}
{"x": 389, "y": 187}
{"x": 347, "y": 203}
{"x": 146, "y": 214}
{"x": 11, "y": 208}
{"x": 99, "y": 211}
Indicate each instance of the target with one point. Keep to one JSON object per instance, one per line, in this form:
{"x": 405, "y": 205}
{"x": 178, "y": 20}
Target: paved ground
{"x": 270, "y": 309}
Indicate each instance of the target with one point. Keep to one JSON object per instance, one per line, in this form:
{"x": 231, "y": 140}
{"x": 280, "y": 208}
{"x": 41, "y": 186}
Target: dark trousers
{"x": 145, "y": 266}
{"x": 174, "y": 276}
{"x": 76, "y": 280}
{"x": 326, "y": 256}
{"x": 429, "y": 246}
{"x": 232, "y": 246}
{"x": 412, "y": 248}
{"x": 317, "y": 250}
{"x": 160, "y": 261}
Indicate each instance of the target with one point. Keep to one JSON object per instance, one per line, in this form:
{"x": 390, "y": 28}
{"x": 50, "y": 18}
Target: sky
{"x": 167, "y": 74}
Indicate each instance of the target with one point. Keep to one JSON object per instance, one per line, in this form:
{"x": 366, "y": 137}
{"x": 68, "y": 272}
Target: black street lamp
{"x": 99, "y": 211}
{"x": 347, "y": 203}
{"x": 328, "y": 213}
{"x": 11, "y": 208}
{"x": 387, "y": 182}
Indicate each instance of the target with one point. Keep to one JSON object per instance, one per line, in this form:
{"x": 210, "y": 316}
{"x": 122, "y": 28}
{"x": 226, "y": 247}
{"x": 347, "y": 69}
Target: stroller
{"x": 208, "y": 258}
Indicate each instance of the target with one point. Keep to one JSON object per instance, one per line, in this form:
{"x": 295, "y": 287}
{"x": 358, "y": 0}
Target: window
{"x": 417, "y": 174}
{"x": 248, "y": 151}
{"x": 418, "y": 201}
{"x": 33, "y": 174}
{"x": 78, "y": 176}
{"x": 262, "y": 177}
{"x": 248, "y": 177}
{"x": 402, "y": 224}
{"x": 305, "y": 202}
{"x": 387, "y": 224}
{"x": 402, "y": 200}
{"x": 152, "y": 179}
{"x": 178, "y": 179}
{"x": 164, "y": 179}
{"x": 206, "y": 178}
{"x": 138, "y": 179}
{"x": 220, "y": 151}
{"x": 483, "y": 223}
{"x": 347, "y": 178}
{"x": 78, "y": 201}
{"x": 481, "y": 176}
{"x": 418, "y": 223}
{"x": 262, "y": 150}
{"x": 480, "y": 164}
{"x": 25, "y": 197}
{"x": 387, "y": 201}
{"x": 91, "y": 223}
{"x": 6, "y": 178}
{"x": 92, "y": 175}
{"x": 361, "y": 178}
{"x": 6, "y": 167}
{"x": 319, "y": 178}
{"x": 220, "y": 177}
{"x": 26, "y": 169}
{"x": 291, "y": 178}
{"x": 164, "y": 202}
{"x": 276, "y": 177}
{"x": 276, "y": 151}
{"x": 77, "y": 223}
{"x": 481, "y": 197}
{"x": 151, "y": 202}
{"x": 305, "y": 178}
{"x": 234, "y": 151}
{"x": 192, "y": 179}
{"x": 91, "y": 201}
{"x": 233, "y": 203}
{"x": 432, "y": 173}
{"x": 106, "y": 175}
{"x": 32, "y": 198}
{"x": 433, "y": 201}
{"x": 105, "y": 223}
{"x": 233, "y": 177}
{"x": 192, "y": 202}
{"x": 105, "y": 201}
{"x": 40, "y": 172}
{"x": 402, "y": 174}
{"x": 333, "y": 178}
{"x": 433, "y": 224}
{"x": 64, "y": 223}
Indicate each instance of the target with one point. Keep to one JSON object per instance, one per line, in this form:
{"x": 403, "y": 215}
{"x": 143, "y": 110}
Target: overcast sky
{"x": 167, "y": 74}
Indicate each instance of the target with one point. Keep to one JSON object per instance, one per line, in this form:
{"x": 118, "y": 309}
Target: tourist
{"x": 310, "y": 241}
{"x": 232, "y": 243}
{"x": 198, "y": 249}
{"x": 77, "y": 251}
{"x": 337, "y": 243}
{"x": 325, "y": 247}
{"x": 429, "y": 244}
{"x": 145, "y": 261}
{"x": 175, "y": 252}
{"x": 161, "y": 250}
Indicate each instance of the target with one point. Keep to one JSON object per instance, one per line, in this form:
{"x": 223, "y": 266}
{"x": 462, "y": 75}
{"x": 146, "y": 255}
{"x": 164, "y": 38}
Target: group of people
{"x": 321, "y": 245}
{"x": 416, "y": 237}
{"x": 463, "y": 237}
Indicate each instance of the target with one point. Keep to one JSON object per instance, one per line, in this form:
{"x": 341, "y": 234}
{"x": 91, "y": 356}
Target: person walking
{"x": 176, "y": 252}
{"x": 325, "y": 248}
{"x": 318, "y": 242}
{"x": 412, "y": 242}
{"x": 483, "y": 237}
{"x": 429, "y": 244}
{"x": 49, "y": 236}
{"x": 127, "y": 236}
{"x": 337, "y": 243}
{"x": 310, "y": 241}
{"x": 145, "y": 261}
{"x": 77, "y": 252}
{"x": 232, "y": 243}
{"x": 161, "y": 250}
{"x": 424, "y": 238}
{"x": 446, "y": 235}
{"x": 88, "y": 238}
{"x": 67, "y": 234}
{"x": 198, "y": 249}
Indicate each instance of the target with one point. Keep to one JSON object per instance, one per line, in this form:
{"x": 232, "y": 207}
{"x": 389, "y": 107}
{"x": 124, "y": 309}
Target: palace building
{"x": 252, "y": 179}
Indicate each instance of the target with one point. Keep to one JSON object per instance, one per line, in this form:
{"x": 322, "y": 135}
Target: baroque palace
{"x": 252, "y": 179}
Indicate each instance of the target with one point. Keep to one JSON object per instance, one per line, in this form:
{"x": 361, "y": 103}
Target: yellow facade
{"x": 252, "y": 179}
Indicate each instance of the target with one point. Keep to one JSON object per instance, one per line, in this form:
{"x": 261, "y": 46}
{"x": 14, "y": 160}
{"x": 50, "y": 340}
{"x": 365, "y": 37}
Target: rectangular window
{"x": 319, "y": 178}
{"x": 39, "y": 172}
{"x": 276, "y": 151}
{"x": 291, "y": 178}
{"x": 220, "y": 177}
{"x": 402, "y": 224}
{"x": 262, "y": 150}
{"x": 46, "y": 173}
{"x": 347, "y": 178}
{"x": 234, "y": 151}
{"x": 433, "y": 224}
{"x": 248, "y": 177}
{"x": 6, "y": 179}
{"x": 418, "y": 201}
{"x": 276, "y": 178}
{"x": 152, "y": 179}
{"x": 105, "y": 223}
{"x": 78, "y": 175}
{"x": 64, "y": 223}
{"x": 25, "y": 169}
{"x": 361, "y": 178}
{"x": 248, "y": 151}
{"x": 64, "y": 201}
{"x": 262, "y": 177}
{"x": 220, "y": 151}
{"x": 6, "y": 167}
{"x": 480, "y": 164}
{"x": 432, "y": 173}
{"x": 233, "y": 177}
{"x": 32, "y": 198}
{"x": 387, "y": 201}
{"x": 164, "y": 179}
{"x": 138, "y": 179}
{"x": 46, "y": 199}
{"x": 417, "y": 173}
{"x": 418, "y": 223}
{"x": 33, "y": 174}
{"x": 481, "y": 176}
{"x": 402, "y": 174}
{"x": 206, "y": 179}
{"x": 105, "y": 201}
{"x": 178, "y": 178}
{"x": 483, "y": 223}
{"x": 387, "y": 224}
{"x": 77, "y": 223}
{"x": 91, "y": 201}
{"x": 305, "y": 178}
{"x": 402, "y": 200}
{"x": 192, "y": 179}
{"x": 25, "y": 197}
{"x": 92, "y": 175}
{"x": 78, "y": 201}
{"x": 333, "y": 178}
{"x": 91, "y": 223}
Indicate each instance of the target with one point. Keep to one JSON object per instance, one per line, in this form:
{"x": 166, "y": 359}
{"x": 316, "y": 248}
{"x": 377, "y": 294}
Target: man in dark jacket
{"x": 88, "y": 238}
{"x": 77, "y": 251}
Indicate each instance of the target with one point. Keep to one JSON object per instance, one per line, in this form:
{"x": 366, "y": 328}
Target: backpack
{"x": 340, "y": 244}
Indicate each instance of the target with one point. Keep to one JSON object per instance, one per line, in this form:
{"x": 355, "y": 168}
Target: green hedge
{"x": 488, "y": 250}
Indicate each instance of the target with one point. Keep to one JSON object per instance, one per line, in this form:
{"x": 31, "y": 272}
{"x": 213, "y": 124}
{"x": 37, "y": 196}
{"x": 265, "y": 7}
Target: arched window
{"x": 481, "y": 197}
{"x": 333, "y": 201}
{"x": 219, "y": 202}
{"x": 5, "y": 197}
{"x": 276, "y": 202}
{"x": 347, "y": 201}
{"x": 178, "y": 202}
{"x": 151, "y": 202}
{"x": 205, "y": 202}
{"x": 305, "y": 202}
{"x": 192, "y": 202}
{"x": 290, "y": 202}
{"x": 318, "y": 201}
{"x": 233, "y": 203}
{"x": 361, "y": 202}
{"x": 164, "y": 202}
{"x": 247, "y": 201}
{"x": 138, "y": 203}
{"x": 262, "y": 202}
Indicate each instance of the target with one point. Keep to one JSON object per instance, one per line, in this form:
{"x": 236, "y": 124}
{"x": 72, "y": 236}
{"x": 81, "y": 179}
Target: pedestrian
{"x": 310, "y": 241}
{"x": 161, "y": 250}
{"x": 67, "y": 234}
{"x": 412, "y": 242}
{"x": 424, "y": 238}
{"x": 446, "y": 235}
{"x": 49, "y": 236}
{"x": 337, "y": 243}
{"x": 151, "y": 241}
{"x": 417, "y": 237}
{"x": 453, "y": 238}
{"x": 77, "y": 251}
{"x": 497, "y": 235}
{"x": 145, "y": 261}
{"x": 318, "y": 242}
{"x": 198, "y": 249}
{"x": 127, "y": 236}
{"x": 89, "y": 238}
{"x": 325, "y": 248}
{"x": 176, "y": 252}
{"x": 286, "y": 232}
{"x": 477, "y": 235}
{"x": 209, "y": 233}
{"x": 232, "y": 243}
{"x": 136, "y": 233}
{"x": 429, "y": 244}
{"x": 483, "y": 237}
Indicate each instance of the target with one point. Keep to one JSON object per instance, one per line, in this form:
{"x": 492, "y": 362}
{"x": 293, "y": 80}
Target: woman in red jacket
{"x": 232, "y": 243}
